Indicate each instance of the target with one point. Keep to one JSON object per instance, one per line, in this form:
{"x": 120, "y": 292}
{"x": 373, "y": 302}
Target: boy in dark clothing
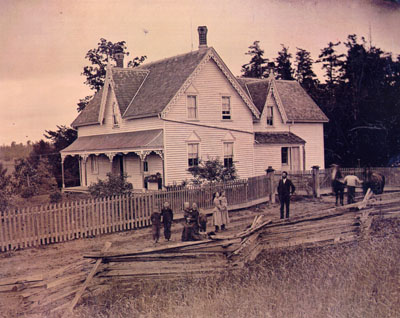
{"x": 190, "y": 228}
{"x": 155, "y": 227}
{"x": 167, "y": 218}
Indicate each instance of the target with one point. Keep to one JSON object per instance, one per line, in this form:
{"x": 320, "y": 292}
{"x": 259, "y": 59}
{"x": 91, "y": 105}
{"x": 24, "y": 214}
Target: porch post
{"x": 62, "y": 171}
{"x": 142, "y": 157}
{"x": 271, "y": 175}
{"x": 84, "y": 159}
{"x": 316, "y": 186}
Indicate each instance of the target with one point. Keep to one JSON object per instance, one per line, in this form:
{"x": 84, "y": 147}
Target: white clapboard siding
{"x": 209, "y": 86}
{"x": 124, "y": 125}
{"x": 211, "y": 146}
{"x": 278, "y": 124}
{"x": 313, "y": 134}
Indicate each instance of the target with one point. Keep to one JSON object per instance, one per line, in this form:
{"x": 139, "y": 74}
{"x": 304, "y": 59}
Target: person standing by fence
{"x": 285, "y": 189}
{"x": 217, "y": 214}
{"x": 224, "y": 210}
{"x": 167, "y": 218}
{"x": 351, "y": 182}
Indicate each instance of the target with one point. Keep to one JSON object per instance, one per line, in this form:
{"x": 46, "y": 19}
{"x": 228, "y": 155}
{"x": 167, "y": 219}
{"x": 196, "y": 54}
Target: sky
{"x": 43, "y": 43}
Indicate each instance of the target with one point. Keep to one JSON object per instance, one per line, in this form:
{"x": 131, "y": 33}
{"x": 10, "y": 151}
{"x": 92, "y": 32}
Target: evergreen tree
{"x": 258, "y": 64}
{"x": 331, "y": 62}
{"x": 283, "y": 67}
{"x": 304, "y": 72}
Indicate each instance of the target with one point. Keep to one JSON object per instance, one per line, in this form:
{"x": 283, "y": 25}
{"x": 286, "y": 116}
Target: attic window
{"x": 270, "y": 116}
{"x": 192, "y": 106}
{"x": 114, "y": 115}
{"x": 226, "y": 107}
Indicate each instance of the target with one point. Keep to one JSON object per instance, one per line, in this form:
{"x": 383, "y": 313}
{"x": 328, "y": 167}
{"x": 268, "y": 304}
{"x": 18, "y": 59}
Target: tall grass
{"x": 361, "y": 279}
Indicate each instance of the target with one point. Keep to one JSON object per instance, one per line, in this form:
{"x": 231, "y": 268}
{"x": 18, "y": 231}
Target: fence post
{"x": 316, "y": 185}
{"x": 271, "y": 176}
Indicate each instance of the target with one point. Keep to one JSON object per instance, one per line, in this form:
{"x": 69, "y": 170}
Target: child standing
{"x": 167, "y": 218}
{"x": 155, "y": 227}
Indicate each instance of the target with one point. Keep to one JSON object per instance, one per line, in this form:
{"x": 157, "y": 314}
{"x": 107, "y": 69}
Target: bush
{"x": 55, "y": 197}
{"x": 212, "y": 171}
{"x": 27, "y": 192}
{"x": 114, "y": 185}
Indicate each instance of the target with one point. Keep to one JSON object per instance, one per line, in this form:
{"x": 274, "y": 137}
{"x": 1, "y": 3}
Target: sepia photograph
{"x": 200, "y": 159}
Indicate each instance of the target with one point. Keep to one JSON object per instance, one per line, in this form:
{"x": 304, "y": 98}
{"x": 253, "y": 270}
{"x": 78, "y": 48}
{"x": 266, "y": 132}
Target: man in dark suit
{"x": 285, "y": 189}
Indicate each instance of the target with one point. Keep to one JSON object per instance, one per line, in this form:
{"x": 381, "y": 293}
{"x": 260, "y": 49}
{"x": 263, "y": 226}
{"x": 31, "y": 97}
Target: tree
{"x": 212, "y": 171}
{"x": 99, "y": 57}
{"x": 284, "y": 68}
{"x": 33, "y": 178}
{"x": 258, "y": 64}
{"x": 4, "y": 188}
{"x": 60, "y": 139}
{"x": 304, "y": 73}
{"x": 114, "y": 185}
{"x": 331, "y": 62}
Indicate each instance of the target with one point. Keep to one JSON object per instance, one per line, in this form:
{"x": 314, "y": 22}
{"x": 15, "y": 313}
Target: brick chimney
{"x": 119, "y": 58}
{"x": 202, "y": 37}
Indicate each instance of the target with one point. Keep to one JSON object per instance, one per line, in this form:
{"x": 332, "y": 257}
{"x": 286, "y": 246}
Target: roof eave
{"x": 141, "y": 116}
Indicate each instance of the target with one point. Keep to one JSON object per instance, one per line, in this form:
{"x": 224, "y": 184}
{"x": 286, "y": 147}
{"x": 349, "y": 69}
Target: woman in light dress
{"x": 220, "y": 213}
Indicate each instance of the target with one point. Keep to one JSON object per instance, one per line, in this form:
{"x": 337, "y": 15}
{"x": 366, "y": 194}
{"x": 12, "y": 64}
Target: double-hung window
{"x": 228, "y": 154}
{"x": 270, "y": 116}
{"x": 226, "y": 107}
{"x": 94, "y": 164}
{"x": 193, "y": 155}
{"x": 192, "y": 106}
{"x": 285, "y": 155}
{"x": 145, "y": 166}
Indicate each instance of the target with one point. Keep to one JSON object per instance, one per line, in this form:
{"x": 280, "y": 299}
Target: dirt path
{"x": 42, "y": 260}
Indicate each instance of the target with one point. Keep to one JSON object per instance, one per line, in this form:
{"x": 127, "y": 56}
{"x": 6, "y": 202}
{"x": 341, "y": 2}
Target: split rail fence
{"x": 42, "y": 225}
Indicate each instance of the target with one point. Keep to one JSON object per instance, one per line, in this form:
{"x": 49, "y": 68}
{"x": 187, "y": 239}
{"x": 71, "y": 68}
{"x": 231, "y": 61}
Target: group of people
{"x": 195, "y": 222}
{"x": 339, "y": 184}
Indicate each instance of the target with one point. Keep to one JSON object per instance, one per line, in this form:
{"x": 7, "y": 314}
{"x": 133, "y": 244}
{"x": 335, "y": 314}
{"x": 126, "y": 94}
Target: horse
{"x": 337, "y": 184}
{"x": 373, "y": 180}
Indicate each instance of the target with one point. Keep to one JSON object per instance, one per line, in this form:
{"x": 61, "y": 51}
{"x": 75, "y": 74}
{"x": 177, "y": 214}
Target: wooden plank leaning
{"x": 80, "y": 292}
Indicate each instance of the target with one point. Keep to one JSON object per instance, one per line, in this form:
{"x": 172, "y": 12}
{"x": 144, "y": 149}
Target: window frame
{"x": 145, "y": 166}
{"x": 196, "y": 108}
{"x": 269, "y": 118}
{"x": 287, "y": 163}
{"x": 193, "y": 161}
{"x": 94, "y": 164}
{"x": 228, "y": 159}
{"x": 226, "y": 113}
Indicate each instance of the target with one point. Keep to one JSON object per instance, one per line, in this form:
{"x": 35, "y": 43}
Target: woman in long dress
{"x": 217, "y": 215}
{"x": 224, "y": 210}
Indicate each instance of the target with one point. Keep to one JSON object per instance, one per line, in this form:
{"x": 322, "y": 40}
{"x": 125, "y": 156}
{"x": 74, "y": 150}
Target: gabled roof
{"x": 90, "y": 115}
{"x": 147, "y": 139}
{"x": 297, "y": 105}
{"x": 277, "y": 138}
{"x": 151, "y": 88}
{"x": 257, "y": 90}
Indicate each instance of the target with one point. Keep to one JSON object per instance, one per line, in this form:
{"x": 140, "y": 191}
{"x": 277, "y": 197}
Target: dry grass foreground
{"x": 359, "y": 279}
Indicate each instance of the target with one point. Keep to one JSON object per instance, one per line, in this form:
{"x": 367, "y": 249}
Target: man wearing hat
{"x": 285, "y": 189}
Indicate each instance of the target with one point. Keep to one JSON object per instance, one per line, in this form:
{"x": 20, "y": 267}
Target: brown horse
{"x": 373, "y": 180}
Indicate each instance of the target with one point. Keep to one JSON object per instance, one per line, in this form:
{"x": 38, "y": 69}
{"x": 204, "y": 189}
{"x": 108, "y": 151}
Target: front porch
{"x": 138, "y": 155}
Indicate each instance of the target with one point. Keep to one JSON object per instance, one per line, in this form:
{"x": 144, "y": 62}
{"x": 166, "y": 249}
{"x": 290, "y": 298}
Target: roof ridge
{"x": 143, "y": 66}
{"x": 135, "y": 69}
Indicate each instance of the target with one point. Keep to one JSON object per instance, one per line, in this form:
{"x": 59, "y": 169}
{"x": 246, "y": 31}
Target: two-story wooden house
{"x": 162, "y": 117}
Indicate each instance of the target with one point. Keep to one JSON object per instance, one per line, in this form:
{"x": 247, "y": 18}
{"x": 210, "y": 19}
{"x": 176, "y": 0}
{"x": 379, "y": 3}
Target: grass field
{"x": 361, "y": 279}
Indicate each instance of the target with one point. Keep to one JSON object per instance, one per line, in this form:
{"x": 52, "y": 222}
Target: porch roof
{"x": 284, "y": 137}
{"x": 147, "y": 139}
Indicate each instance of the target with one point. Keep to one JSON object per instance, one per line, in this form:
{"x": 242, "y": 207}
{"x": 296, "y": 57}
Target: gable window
{"x": 94, "y": 165}
{"x": 226, "y": 107}
{"x": 115, "y": 116}
{"x": 270, "y": 116}
{"x": 145, "y": 166}
{"x": 193, "y": 155}
{"x": 228, "y": 154}
{"x": 192, "y": 106}
{"x": 285, "y": 155}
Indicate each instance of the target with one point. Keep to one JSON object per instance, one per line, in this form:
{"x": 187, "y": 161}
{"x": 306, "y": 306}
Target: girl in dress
{"x": 217, "y": 215}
